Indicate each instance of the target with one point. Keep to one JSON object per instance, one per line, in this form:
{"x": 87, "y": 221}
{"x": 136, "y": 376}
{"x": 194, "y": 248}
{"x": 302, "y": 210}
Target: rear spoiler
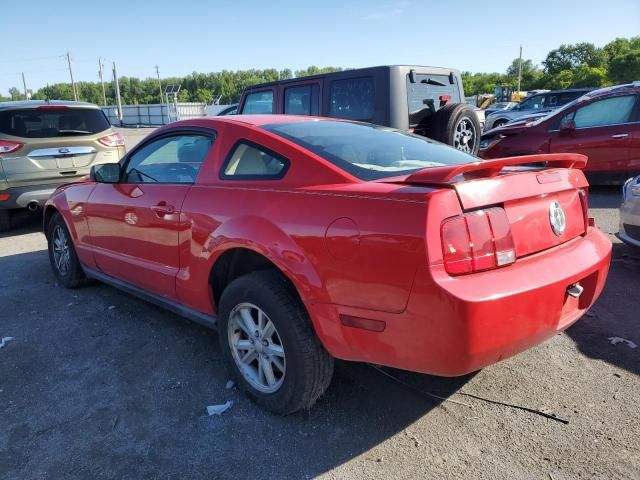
{"x": 491, "y": 168}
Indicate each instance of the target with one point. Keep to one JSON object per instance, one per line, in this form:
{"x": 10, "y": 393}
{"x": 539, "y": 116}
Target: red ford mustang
{"x": 308, "y": 239}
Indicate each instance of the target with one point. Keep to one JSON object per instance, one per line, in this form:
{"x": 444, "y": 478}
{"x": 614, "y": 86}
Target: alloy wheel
{"x": 61, "y": 250}
{"x": 464, "y": 137}
{"x": 256, "y": 347}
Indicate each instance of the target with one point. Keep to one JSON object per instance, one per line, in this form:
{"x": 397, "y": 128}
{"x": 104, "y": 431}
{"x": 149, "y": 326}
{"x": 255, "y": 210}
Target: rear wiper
{"x": 73, "y": 132}
{"x": 431, "y": 81}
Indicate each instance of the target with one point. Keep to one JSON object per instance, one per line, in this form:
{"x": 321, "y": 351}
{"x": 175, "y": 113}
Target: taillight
{"x": 113, "y": 140}
{"x": 584, "y": 202}
{"x": 9, "y": 147}
{"x": 477, "y": 241}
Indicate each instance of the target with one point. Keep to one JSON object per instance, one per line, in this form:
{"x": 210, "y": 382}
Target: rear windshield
{"x": 425, "y": 95}
{"x": 54, "y": 122}
{"x": 369, "y": 152}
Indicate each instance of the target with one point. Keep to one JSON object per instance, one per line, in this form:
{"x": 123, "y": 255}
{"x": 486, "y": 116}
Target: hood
{"x": 512, "y": 128}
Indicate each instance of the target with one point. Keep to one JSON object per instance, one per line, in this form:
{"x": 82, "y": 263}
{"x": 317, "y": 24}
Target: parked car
{"x": 499, "y": 107}
{"x": 44, "y": 144}
{"x": 630, "y": 212}
{"x": 307, "y": 239}
{"x": 603, "y": 124}
{"x": 428, "y": 101}
{"x": 539, "y": 103}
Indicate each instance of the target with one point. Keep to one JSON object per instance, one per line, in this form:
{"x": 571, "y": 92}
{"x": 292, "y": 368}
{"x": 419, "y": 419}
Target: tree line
{"x": 577, "y": 65}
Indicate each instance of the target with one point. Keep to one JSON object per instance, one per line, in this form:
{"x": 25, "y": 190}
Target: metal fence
{"x": 154, "y": 115}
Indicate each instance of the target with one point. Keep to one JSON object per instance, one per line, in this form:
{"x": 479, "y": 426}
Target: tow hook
{"x": 575, "y": 290}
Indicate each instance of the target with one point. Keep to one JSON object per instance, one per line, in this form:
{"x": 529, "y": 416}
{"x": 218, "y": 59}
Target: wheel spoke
{"x": 275, "y": 350}
{"x": 249, "y": 357}
{"x": 267, "y": 371}
{"x": 268, "y": 330}
{"x": 244, "y": 345}
{"x": 278, "y": 363}
{"x": 247, "y": 319}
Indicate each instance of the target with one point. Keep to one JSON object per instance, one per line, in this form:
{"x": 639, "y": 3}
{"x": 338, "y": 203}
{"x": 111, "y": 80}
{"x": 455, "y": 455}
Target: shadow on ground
{"x": 98, "y": 384}
{"x": 24, "y": 222}
{"x": 611, "y": 316}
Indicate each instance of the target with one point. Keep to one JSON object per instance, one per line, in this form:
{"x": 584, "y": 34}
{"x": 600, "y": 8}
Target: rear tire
{"x": 62, "y": 255}
{"x": 5, "y": 220}
{"x": 456, "y": 124}
{"x": 292, "y": 357}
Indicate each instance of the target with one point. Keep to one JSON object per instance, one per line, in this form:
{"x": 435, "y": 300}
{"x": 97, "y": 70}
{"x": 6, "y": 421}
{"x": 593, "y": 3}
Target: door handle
{"x": 620, "y": 135}
{"x": 163, "y": 209}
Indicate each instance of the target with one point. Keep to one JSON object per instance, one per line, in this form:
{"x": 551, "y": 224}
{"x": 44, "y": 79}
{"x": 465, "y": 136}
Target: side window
{"x": 251, "y": 161}
{"x": 610, "y": 111}
{"x": 302, "y": 100}
{"x": 174, "y": 159}
{"x": 352, "y": 98}
{"x": 534, "y": 103}
{"x": 259, "y": 102}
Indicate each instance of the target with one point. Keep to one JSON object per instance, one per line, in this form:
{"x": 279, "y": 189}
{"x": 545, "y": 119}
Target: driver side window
{"x": 172, "y": 159}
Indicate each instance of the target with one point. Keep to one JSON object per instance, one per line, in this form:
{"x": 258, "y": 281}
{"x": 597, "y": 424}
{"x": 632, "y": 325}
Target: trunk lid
{"x": 545, "y": 206}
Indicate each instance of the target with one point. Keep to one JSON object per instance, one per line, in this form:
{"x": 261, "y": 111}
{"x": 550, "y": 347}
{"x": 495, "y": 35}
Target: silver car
{"x": 541, "y": 103}
{"x": 630, "y": 212}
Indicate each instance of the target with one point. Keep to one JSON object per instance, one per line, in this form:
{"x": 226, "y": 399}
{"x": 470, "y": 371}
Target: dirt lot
{"x": 97, "y": 384}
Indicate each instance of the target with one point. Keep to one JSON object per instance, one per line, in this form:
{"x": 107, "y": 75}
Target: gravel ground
{"x": 97, "y": 384}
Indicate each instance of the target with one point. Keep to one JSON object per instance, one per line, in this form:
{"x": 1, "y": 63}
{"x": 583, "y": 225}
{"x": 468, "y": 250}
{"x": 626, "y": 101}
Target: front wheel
{"x": 62, "y": 255}
{"x": 269, "y": 345}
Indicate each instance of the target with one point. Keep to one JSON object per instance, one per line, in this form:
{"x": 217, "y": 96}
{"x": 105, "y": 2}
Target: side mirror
{"x": 568, "y": 127}
{"x": 105, "y": 173}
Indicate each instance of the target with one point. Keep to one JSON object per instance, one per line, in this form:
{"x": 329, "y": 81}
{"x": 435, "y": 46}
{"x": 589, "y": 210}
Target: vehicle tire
{"x": 268, "y": 343}
{"x": 62, "y": 255}
{"x": 457, "y": 125}
{"x": 500, "y": 123}
{"x": 5, "y": 220}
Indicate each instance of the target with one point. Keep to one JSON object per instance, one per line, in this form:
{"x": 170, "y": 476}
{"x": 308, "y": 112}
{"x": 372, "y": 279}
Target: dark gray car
{"x": 44, "y": 144}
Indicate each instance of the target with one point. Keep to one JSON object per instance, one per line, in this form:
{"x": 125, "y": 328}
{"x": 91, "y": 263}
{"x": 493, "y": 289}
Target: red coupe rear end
{"x": 512, "y": 259}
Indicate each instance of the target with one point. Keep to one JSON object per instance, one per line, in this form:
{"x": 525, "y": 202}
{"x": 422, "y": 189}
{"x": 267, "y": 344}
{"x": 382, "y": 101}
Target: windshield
{"x": 369, "y": 152}
{"x": 52, "y": 122}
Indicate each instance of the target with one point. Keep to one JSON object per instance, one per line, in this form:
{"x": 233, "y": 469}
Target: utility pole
{"x": 118, "y": 100}
{"x": 161, "y": 95}
{"x": 24, "y": 84}
{"x": 100, "y": 72}
{"x": 159, "y": 84}
{"x": 73, "y": 83}
{"x": 520, "y": 69}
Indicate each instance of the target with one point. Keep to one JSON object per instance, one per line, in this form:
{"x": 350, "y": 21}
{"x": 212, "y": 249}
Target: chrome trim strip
{"x": 61, "y": 152}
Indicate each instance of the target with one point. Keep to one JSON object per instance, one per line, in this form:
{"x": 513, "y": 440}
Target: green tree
{"x": 585, "y": 76}
{"x": 570, "y": 57}
{"x": 625, "y": 67}
{"x": 313, "y": 70}
{"x": 530, "y": 73}
{"x": 15, "y": 94}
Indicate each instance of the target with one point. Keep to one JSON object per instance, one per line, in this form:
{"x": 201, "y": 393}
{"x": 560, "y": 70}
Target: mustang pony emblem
{"x": 557, "y": 218}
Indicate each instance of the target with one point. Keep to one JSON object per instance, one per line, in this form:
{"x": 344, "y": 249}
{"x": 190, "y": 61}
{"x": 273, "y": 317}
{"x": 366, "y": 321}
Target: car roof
{"x": 625, "y": 88}
{"x": 269, "y": 119}
{"x": 39, "y": 103}
{"x": 346, "y": 72}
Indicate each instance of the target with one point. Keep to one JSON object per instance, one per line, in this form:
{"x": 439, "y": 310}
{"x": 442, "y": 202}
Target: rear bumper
{"x": 456, "y": 325}
{"x": 21, "y": 197}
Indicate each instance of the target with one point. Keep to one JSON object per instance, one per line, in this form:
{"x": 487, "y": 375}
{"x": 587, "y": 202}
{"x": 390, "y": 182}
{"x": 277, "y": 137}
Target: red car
{"x": 603, "y": 124}
{"x": 307, "y": 239}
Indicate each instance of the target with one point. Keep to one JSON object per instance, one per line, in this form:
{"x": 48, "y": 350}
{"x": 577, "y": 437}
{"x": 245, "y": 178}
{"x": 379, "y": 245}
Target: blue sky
{"x": 204, "y": 36}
